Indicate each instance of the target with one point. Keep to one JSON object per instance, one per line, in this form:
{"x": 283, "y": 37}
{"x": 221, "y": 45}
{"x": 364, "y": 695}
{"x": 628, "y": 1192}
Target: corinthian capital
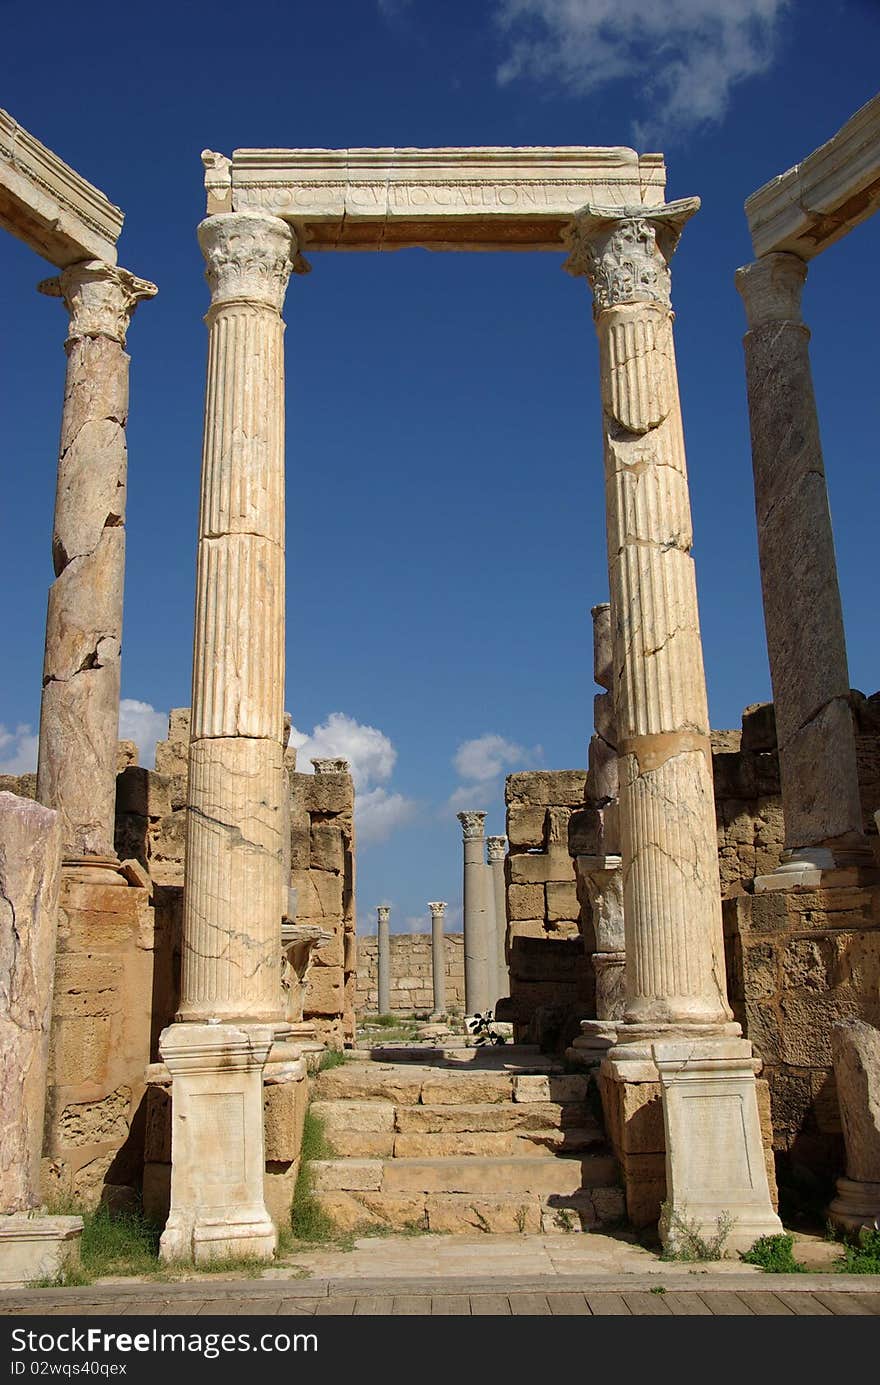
{"x": 625, "y": 251}
{"x": 496, "y": 847}
{"x": 99, "y": 297}
{"x": 383, "y": 912}
{"x": 471, "y": 825}
{"x": 249, "y": 258}
{"x": 437, "y": 908}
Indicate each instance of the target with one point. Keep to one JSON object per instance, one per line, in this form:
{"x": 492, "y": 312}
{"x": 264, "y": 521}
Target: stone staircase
{"x": 484, "y": 1139}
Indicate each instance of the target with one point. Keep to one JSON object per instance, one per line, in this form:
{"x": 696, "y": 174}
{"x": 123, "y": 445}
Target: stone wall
{"x": 412, "y": 974}
{"x": 550, "y": 973}
{"x": 151, "y": 827}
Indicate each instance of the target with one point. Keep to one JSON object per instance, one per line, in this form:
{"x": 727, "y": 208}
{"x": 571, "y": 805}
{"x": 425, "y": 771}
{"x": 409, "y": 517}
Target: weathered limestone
{"x": 79, "y": 716}
{"x": 802, "y": 610}
{"x": 714, "y": 1158}
{"x": 445, "y": 199}
{"x": 476, "y": 941}
{"x": 235, "y": 893}
{"x": 672, "y": 907}
{"x": 217, "y": 1197}
{"x": 30, "y": 861}
{"x": 496, "y": 848}
{"x": 383, "y": 914}
{"x": 856, "y": 1049}
{"x": 438, "y": 958}
{"x": 599, "y": 869}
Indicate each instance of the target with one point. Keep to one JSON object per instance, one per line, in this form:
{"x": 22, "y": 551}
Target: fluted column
{"x": 438, "y": 958}
{"x": 802, "y": 611}
{"x": 235, "y": 889}
{"x": 383, "y": 959}
{"x": 672, "y": 904}
{"x": 496, "y": 848}
{"x": 79, "y": 714}
{"x": 476, "y": 943}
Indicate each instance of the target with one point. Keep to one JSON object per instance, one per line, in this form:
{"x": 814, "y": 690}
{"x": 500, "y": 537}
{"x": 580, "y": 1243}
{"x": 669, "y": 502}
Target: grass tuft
{"x": 861, "y": 1256}
{"x": 308, "y": 1220}
{"x": 774, "y": 1254}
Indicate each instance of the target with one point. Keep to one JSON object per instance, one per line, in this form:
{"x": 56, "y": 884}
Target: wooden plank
{"x": 568, "y": 1305}
{"x": 686, "y": 1304}
{"x": 299, "y": 1307}
{"x": 871, "y": 1300}
{"x": 842, "y": 1305}
{"x": 374, "y": 1305}
{"x": 803, "y": 1303}
{"x": 529, "y": 1305}
{"x": 412, "y": 1305}
{"x": 725, "y": 1303}
{"x": 602, "y": 1305}
{"x": 764, "y": 1303}
{"x": 452, "y": 1305}
{"x": 646, "y": 1304}
{"x": 490, "y": 1305}
{"x": 341, "y": 1305}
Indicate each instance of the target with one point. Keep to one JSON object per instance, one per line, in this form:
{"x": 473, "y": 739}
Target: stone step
{"x": 467, "y": 1213}
{"x": 348, "y": 1116}
{"x": 530, "y": 1144}
{"x": 560, "y": 1176}
{"x": 447, "y": 1086}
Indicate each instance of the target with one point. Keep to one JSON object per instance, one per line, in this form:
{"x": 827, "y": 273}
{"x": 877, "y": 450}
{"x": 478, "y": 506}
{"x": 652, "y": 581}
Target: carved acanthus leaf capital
{"x": 437, "y": 907}
{"x": 330, "y": 765}
{"x": 100, "y": 298}
{"x": 383, "y": 912}
{"x": 496, "y": 848}
{"x": 249, "y": 258}
{"x": 624, "y": 252}
{"x": 471, "y": 825}
{"x": 771, "y": 289}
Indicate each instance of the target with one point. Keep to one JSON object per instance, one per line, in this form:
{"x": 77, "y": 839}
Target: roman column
{"x": 496, "y": 848}
{"x": 79, "y": 715}
{"x": 438, "y": 958}
{"x": 672, "y": 903}
{"x": 383, "y": 959}
{"x": 802, "y": 611}
{"x": 234, "y": 895}
{"x": 476, "y": 942}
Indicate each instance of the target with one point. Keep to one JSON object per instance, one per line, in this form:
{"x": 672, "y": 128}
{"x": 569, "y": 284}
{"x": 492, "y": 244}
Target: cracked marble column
{"x": 476, "y": 941}
{"x": 496, "y": 848}
{"x": 438, "y": 958}
{"x": 235, "y": 892}
{"x": 383, "y": 959}
{"x": 802, "y": 611}
{"x": 79, "y": 714}
{"x": 675, "y": 979}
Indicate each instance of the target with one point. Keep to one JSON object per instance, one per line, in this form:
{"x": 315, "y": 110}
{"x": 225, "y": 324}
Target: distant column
{"x": 497, "y": 848}
{"x": 438, "y": 958}
{"x": 79, "y": 716}
{"x": 476, "y": 949}
{"x": 383, "y": 947}
{"x": 802, "y": 611}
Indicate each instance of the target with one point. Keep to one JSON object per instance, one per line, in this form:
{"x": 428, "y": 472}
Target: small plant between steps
{"x": 308, "y": 1220}
{"x": 861, "y": 1256}
{"x": 774, "y": 1255}
{"x": 684, "y": 1239}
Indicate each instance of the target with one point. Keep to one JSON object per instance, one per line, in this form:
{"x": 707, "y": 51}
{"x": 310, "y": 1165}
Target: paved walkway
{"x": 579, "y": 1275}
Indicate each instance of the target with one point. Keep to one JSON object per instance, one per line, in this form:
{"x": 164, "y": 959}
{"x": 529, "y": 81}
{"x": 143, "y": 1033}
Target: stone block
{"x": 546, "y": 787}
{"x": 462, "y": 1215}
{"x": 324, "y": 991}
{"x": 96, "y": 1122}
{"x": 324, "y": 793}
{"x": 326, "y": 851}
{"x": 525, "y": 826}
{"x": 525, "y": 901}
{"x": 562, "y": 901}
{"x": 284, "y": 1109}
{"x": 759, "y": 727}
{"x": 370, "y": 1117}
{"x": 346, "y": 1175}
{"x": 37, "y": 1247}
{"x": 557, "y": 1087}
{"x": 469, "y": 1088}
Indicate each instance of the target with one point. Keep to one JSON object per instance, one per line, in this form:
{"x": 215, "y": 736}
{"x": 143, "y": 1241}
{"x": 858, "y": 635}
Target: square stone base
{"x": 37, "y": 1247}
{"x": 715, "y": 1167}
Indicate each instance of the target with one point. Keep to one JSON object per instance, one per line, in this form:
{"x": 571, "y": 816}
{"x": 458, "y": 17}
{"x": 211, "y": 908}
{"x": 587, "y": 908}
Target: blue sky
{"x": 445, "y": 520}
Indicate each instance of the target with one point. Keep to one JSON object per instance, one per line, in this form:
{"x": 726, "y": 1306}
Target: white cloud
{"x": 141, "y": 723}
{"x": 480, "y": 763}
{"x": 18, "y": 749}
{"x": 371, "y": 757}
{"x": 487, "y": 756}
{"x": 684, "y": 57}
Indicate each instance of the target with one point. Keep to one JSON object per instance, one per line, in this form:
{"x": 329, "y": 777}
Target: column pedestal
{"x": 217, "y": 1147}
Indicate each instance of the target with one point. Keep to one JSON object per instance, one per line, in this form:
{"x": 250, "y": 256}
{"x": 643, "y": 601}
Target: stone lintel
{"x": 50, "y": 206}
{"x": 442, "y": 199}
{"x": 821, "y": 199}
